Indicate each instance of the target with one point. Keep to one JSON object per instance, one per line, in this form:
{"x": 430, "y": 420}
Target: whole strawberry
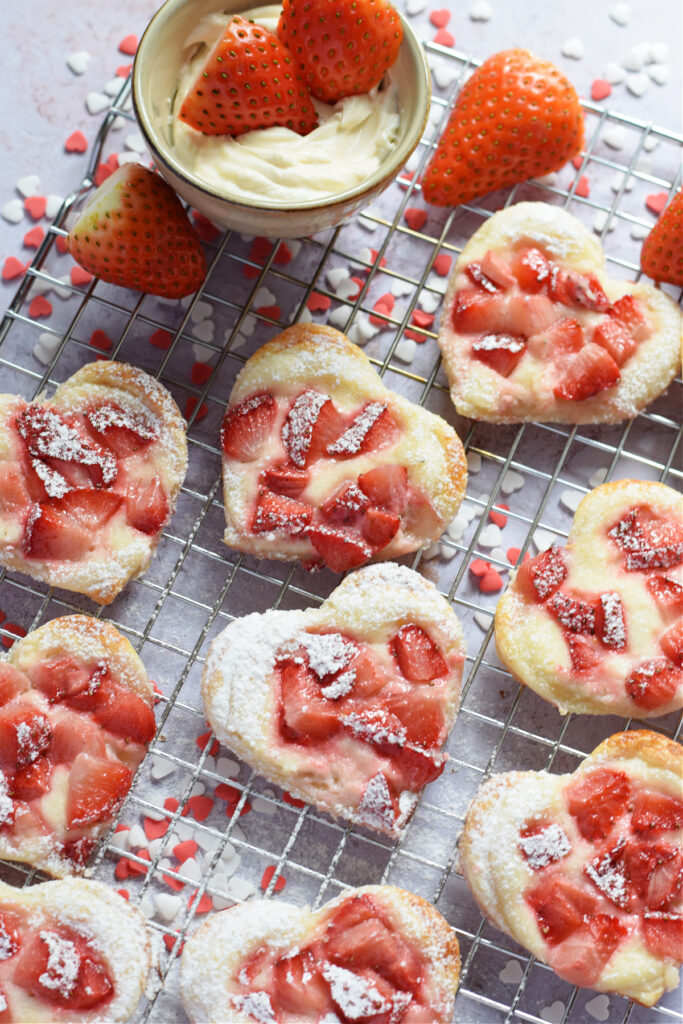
{"x": 517, "y": 117}
{"x": 249, "y": 81}
{"x": 661, "y": 257}
{"x": 135, "y": 233}
{"x": 342, "y": 47}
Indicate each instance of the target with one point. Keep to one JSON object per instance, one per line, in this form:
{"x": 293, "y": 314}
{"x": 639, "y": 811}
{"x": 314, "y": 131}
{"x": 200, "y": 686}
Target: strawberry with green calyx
{"x": 248, "y": 81}
{"x": 341, "y": 47}
{"x": 517, "y": 117}
{"x": 135, "y": 233}
{"x": 661, "y": 257}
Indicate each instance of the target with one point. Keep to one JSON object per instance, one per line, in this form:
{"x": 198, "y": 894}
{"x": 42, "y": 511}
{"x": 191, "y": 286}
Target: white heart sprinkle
{"x": 241, "y": 888}
{"x": 428, "y": 301}
{"x": 206, "y": 840}
{"x": 554, "y": 1013}
{"x": 167, "y": 905}
{"x": 547, "y": 179}
{"x": 40, "y": 287}
{"x": 137, "y": 840}
{"x": 659, "y": 52}
{"x": 53, "y": 204}
{"x": 614, "y": 73}
{"x": 136, "y": 142}
{"x": 481, "y": 10}
{"x": 620, "y": 179}
{"x": 639, "y": 231}
{"x": 399, "y": 287}
{"x": 468, "y": 512}
{"x": 203, "y": 355}
{"x": 447, "y": 551}
{"x": 201, "y": 311}
{"x": 405, "y": 350}
{"x": 63, "y": 292}
{"x": 650, "y": 142}
{"x": 512, "y": 481}
{"x": 366, "y": 223}
{"x": 600, "y": 222}
{"x": 346, "y": 289}
{"x": 365, "y": 255}
{"x": 226, "y": 767}
{"x": 191, "y": 869}
{"x": 262, "y": 806}
{"x": 263, "y": 297}
{"x": 238, "y": 834}
{"x": 155, "y": 815}
{"x": 598, "y": 477}
{"x": 414, "y": 7}
{"x": 146, "y": 906}
{"x": 659, "y": 73}
{"x": 456, "y": 528}
{"x": 483, "y": 620}
{"x": 638, "y": 84}
{"x": 293, "y": 245}
{"x": 598, "y": 1007}
{"x": 490, "y": 536}
{"x": 499, "y": 555}
{"x": 573, "y": 48}
{"x": 239, "y": 341}
{"x": 128, "y": 158}
{"x": 436, "y": 283}
{"x": 204, "y": 330}
{"x": 78, "y": 61}
{"x": 361, "y": 330}
{"x": 28, "y": 185}
{"x": 113, "y": 86}
{"x": 231, "y": 864}
{"x": 183, "y": 831}
{"x": 614, "y": 136}
{"x": 543, "y": 539}
{"x": 620, "y": 13}
{"x": 571, "y": 499}
{"x": 198, "y": 789}
{"x": 512, "y": 973}
{"x": 120, "y": 840}
{"x": 445, "y": 74}
{"x": 335, "y": 276}
{"x": 634, "y": 59}
{"x": 473, "y": 462}
{"x": 13, "y": 211}
{"x": 50, "y": 342}
{"x": 96, "y": 102}
{"x": 431, "y": 552}
{"x": 155, "y": 846}
{"x": 339, "y": 315}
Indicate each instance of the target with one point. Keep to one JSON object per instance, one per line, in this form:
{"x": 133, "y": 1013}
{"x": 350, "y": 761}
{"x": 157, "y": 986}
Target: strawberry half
{"x": 517, "y": 117}
{"x": 661, "y": 257}
{"x": 342, "y": 47}
{"x": 135, "y": 233}
{"x": 248, "y": 81}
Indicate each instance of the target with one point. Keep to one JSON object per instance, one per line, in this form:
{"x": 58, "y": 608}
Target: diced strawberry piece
{"x": 655, "y": 872}
{"x": 667, "y": 593}
{"x": 276, "y": 512}
{"x": 560, "y": 287}
{"x": 122, "y": 430}
{"x": 147, "y": 506}
{"x": 78, "y": 851}
{"x": 539, "y": 577}
{"x": 12, "y": 682}
{"x": 558, "y": 340}
{"x": 653, "y": 810}
{"x": 247, "y": 426}
{"x": 672, "y": 644}
{"x": 379, "y": 526}
{"x": 610, "y": 625}
{"x": 45, "y": 970}
{"x": 298, "y": 986}
{"x": 311, "y": 424}
{"x": 376, "y": 725}
{"x": 90, "y": 507}
{"x": 127, "y": 716}
{"x": 629, "y": 312}
{"x": 582, "y": 957}
{"x": 560, "y": 907}
{"x": 340, "y": 549}
{"x": 614, "y": 337}
{"x": 97, "y": 786}
{"x": 590, "y": 371}
{"x": 99, "y": 689}
{"x": 475, "y": 312}
{"x": 372, "y": 428}
{"x": 25, "y": 735}
{"x": 304, "y": 712}
{"x": 56, "y": 442}
{"x": 532, "y": 270}
{"x": 51, "y": 535}
{"x": 420, "y": 714}
{"x": 529, "y": 314}
{"x": 583, "y": 654}
{"x": 353, "y": 911}
{"x": 10, "y": 925}
{"x": 495, "y": 269}
{"x": 648, "y": 541}
{"x": 663, "y": 934}
{"x": 58, "y": 677}
{"x": 33, "y": 781}
{"x": 542, "y": 843}
{"x": 369, "y": 677}
{"x": 287, "y": 480}
{"x": 371, "y": 944}
{"x": 587, "y": 293}
{"x": 13, "y": 493}
{"x": 608, "y": 872}
{"x": 574, "y": 614}
{"x": 417, "y": 767}
{"x": 386, "y": 487}
{"x": 346, "y": 505}
{"x": 654, "y": 683}
{"x": 501, "y": 352}
{"x": 74, "y": 734}
{"x": 479, "y": 279}
{"x": 596, "y": 800}
{"x": 418, "y": 656}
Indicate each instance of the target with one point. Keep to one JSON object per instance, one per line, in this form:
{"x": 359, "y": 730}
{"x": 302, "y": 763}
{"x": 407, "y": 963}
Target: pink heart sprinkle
{"x": 34, "y": 237}
{"x": 497, "y": 517}
{"x": 583, "y": 187}
{"x": 36, "y": 205}
{"x": 161, "y": 339}
{"x": 440, "y": 19}
{"x": 128, "y": 45}
{"x": 12, "y": 267}
{"x": 422, "y": 319}
{"x": 656, "y": 202}
{"x": 76, "y": 143}
{"x": 478, "y": 566}
{"x": 491, "y": 582}
{"x": 444, "y": 38}
{"x": 442, "y": 264}
{"x": 99, "y": 339}
{"x": 39, "y": 307}
{"x": 600, "y": 89}
{"x": 80, "y": 277}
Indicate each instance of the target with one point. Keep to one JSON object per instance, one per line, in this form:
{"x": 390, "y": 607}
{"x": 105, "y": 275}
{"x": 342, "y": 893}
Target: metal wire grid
{"x": 500, "y": 725}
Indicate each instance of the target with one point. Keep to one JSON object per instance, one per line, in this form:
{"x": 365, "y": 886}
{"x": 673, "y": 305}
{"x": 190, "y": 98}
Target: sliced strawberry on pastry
{"x": 569, "y": 866}
{"x": 90, "y": 478}
{"x": 76, "y": 724}
{"x": 324, "y": 464}
{"x": 377, "y": 953}
{"x": 593, "y": 627}
{"x": 71, "y": 950}
{"x": 346, "y": 706}
{"x": 543, "y": 334}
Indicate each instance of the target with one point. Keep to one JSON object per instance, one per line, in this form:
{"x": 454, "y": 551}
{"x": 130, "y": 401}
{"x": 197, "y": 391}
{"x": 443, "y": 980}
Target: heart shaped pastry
{"x": 533, "y": 329}
{"x": 584, "y": 870}
{"x": 89, "y": 478}
{"x": 75, "y": 721}
{"x": 70, "y": 951}
{"x": 376, "y": 954}
{"x": 323, "y": 463}
{"x": 595, "y": 627}
{"x": 346, "y": 706}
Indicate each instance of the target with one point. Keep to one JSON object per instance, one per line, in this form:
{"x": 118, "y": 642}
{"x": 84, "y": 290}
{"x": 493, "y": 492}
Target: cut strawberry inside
{"x": 647, "y": 540}
{"x": 666, "y": 592}
{"x": 476, "y": 312}
{"x": 247, "y": 426}
{"x": 416, "y": 767}
{"x": 616, "y": 339}
{"x": 560, "y": 907}
{"x": 532, "y": 270}
{"x": 52, "y": 535}
{"x": 299, "y": 986}
{"x": 582, "y": 957}
{"x": 583, "y": 653}
{"x": 629, "y": 312}
{"x": 74, "y": 734}
{"x": 654, "y": 683}
{"x": 345, "y": 507}
{"x": 147, "y": 506}
{"x": 33, "y": 781}
{"x": 596, "y": 800}
{"x": 311, "y": 424}
{"x": 672, "y": 644}
{"x": 481, "y": 280}
{"x": 370, "y": 944}
{"x": 587, "y": 292}
{"x": 12, "y": 682}
{"x": 340, "y": 549}
{"x": 10, "y": 925}
{"x": 379, "y": 526}
{"x": 418, "y": 656}
{"x": 386, "y": 487}
{"x": 59, "y": 677}
{"x": 14, "y": 496}
{"x": 501, "y": 352}
{"x": 25, "y": 735}
{"x": 91, "y": 508}
{"x": 123, "y": 431}
{"x": 574, "y": 614}
{"x": 608, "y": 873}
{"x": 420, "y": 714}
{"x": 304, "y": 712}
{"x": 590, "y": 371}
{"x": 495, "y": 269}
{"x": 654, "y": 871}
{"x": 540, "y": 577}
{"x": 543, "y": 843}
{"x": 287, "y": 480}
{"x": 59, "y": 967}
{"x": 610, "y": 625}
{"x": 275, "y": 512}
{"x": 663, "y": 934}
{"x": 529, "y": 314}
{"x": 558, "y": 340}
{"x": 127, "y": 716}
{"x": 56, "y": 447}
{"x": 374, "y": 427}
{"x": 97, "y": 787}
{"x": 653, "y": 810}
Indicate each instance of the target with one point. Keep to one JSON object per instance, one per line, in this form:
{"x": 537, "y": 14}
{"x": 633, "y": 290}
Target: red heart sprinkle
{"x": 170, "y": 940}
{"x": 414, "y": 335}
{"x": 161, "y": 339}
{"x": 200, "y": 373}
{"x": 121, "y": 870}
{"x": 100, "y": 340}
{"x": 444, "y": 38}
{"x": 128, "y": 45}
{"x": 283, "y": 254}
{"x": 422, "y": 319}
{"x": 102, "y": 172}
{"x": 12, "y": 267}
{"x": 201, "y": 807}
{"x": 139, "y": 869}
{"x": 577, "y": 161}
{"x": 260, "y": 249}
{"x": 442, "y": 264}
{"x": 34, "y": 237}
{"x": 479, "y": 567}
{"x": 267, "y": 875}
{"x": 415, "y": 218}
{"x": 190, "y": 405}
{"x": 155, "y": 829}
{"x": 80, "y": 277}
{"x": 514, "y": 553}
{"x": 112, "y": 161}
{"x": 206, "y": 230}
{"x": 204, "y": 906}
{"x": 171, "y": 804}
{"x": 39, "y": 307}
{"x": 225, "y": 792}
{"x": 656, "y": 202}
{"x": 359, "y": 284}
{"x": 202, "y": 740}
{"x": 497, "y": 517}
{"x": 173, "y": 883}
{"x": 272, "y": 312}
{"x": 491, "y": 582}
{"x": 316, "y": 302}
{"x": 123, "y": 70}
{"x": 36, "y": 205}
{"x": 583, "y": 188}
{"x": 376, "y": 318}
{"x": 250, "y": 271}
{"x": 123, "y": 893}
{"x": 183, "y": 851}
{"x": 600, "y": 89}
{"x": 292, "y": 800}
{"x": 76, "y": 143}
{"x": 387, "y": 300}
{"x": 62, "y": 244}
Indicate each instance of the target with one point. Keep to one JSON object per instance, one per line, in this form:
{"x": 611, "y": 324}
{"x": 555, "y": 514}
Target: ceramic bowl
{"x": 155, "y": 77}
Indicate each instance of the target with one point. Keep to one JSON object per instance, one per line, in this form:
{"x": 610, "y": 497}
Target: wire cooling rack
{"x": 195, "y": 585}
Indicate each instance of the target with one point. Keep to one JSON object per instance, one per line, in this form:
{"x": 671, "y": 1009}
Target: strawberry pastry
{"x": 75, "y": 721}
{"x": 347, "y": 705}
{"x": 585, "y": 870}
{"x": 376, "y": 954}
{"x": 321, "y": 462}
{"x": 596, "y": 627}
{"x": 533, "y": 329}
{"x": 71, "y": 951}
{"x": 89, "y": 478}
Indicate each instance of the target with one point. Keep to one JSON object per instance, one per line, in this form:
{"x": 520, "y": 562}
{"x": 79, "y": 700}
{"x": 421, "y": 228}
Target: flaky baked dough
{"x": 316, "y": 356}
{"x": 529, "y": 640}
{"x": 477, "y": 389}
{"x": 212, "y": 956}
{"x": 103, "y": 578}
{"x": 498, "y": 874}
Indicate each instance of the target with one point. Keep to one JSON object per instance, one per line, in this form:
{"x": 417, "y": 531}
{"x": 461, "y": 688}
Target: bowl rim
{"x": 397, "y": 158}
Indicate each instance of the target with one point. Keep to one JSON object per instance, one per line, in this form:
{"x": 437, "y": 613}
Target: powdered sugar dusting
{"x": 54, "y": 483}
{"x": 608, "y": 872}
{"x": 327, "y": 652}
{"x": 297, "y": 429}
{"x": 355, "y": 996}
{"x": 48, "y": 436}
{"x": 614, "y": 630}
{"x": 375, "y": 807}
{"x": 375, "y": 727}
{"x": 6, "y": 802}
{"x": 108, "y": 415}
{"x": 351, "y": 440}
{"x": 257, "y": 1005}
{"x": 492, "y": 342}
{"x": 545, "y": 846}
{"x": 63, "y": 964}
{"x": 340, "y": 687}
